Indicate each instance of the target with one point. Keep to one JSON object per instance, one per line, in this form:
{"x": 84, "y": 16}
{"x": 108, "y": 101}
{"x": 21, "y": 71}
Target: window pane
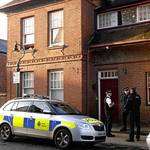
{"x": 57, "y": 19}
{"x": 28, "y": 83}
{"x": 29, "y": 39}
{"x": 143, "y": 12}
{"x": 39, "y": 107}
{"x": 28, "y": 91}
{"x": 109, "y": 19}
{"x": 57, "y": 94}
{"x": 56, "y": 27}
{"x": 23, "y": 106}
{"x": 56, "y": 85}
{"x": 28, "y": 30}
{"x": 129, "y": 16}
{"x": 148, "y": 87}
{"x": 56, "y": 35}
{"x": 8, "y": 107}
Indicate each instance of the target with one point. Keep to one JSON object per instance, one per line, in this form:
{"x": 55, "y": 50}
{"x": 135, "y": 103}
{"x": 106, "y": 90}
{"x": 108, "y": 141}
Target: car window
{"x": 14, "y": 106}
{"x": 64, "y": 109}
{"x": 8, "y": 107}
{"x": 22, "y": 106}
{"x": 39, "y": 107}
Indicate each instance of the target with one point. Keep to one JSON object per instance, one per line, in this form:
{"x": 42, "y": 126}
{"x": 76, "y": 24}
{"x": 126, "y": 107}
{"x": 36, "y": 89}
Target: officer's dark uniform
{"x": 133, "y": 106}
{"x": 125, "y": 112}
{"x": 108, "y": 113}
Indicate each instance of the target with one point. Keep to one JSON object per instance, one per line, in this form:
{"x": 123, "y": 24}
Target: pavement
{"x": 145, "y": 130}
{"x": 121, "y": 137}
{"x": 118, "y": 143}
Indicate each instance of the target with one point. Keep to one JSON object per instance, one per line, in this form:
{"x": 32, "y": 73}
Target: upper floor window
{"x": 27, "y": 83}
{"x": 143, "y": 13}
{"x": 124, "y": 17}
{"x": 105, "y": 20}
{"x": 129, "y": 16}
{"x": 28, "y": 31}
{"x": 56, "y": 28}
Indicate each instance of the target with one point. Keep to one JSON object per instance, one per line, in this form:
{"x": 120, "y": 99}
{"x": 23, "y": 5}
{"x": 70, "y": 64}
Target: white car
{"x": 148, "y": 141}
{"x": 42, "y": 118}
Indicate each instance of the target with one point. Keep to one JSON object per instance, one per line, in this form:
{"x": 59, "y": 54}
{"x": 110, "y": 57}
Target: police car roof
{"x": 35, "y": 98}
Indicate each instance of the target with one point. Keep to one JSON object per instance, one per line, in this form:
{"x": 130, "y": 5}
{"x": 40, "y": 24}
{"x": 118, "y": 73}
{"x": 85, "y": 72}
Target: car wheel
{"x": 5, "y": 132}
{"x": 63, "y": 139}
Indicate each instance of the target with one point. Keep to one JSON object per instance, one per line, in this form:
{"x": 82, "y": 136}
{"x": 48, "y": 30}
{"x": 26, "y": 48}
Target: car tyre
{"x": 5, "y": 132}
{"x": 63, "y": 139}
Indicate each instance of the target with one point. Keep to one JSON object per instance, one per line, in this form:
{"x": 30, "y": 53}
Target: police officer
{"x": 125, "y": 112}
{"x": 109, "y": 105}
{"x": 133, "y": 105}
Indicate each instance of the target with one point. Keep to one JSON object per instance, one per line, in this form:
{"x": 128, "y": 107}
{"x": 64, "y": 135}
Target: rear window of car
{"x": 8, "y": 106}
{"x": 22, "y": 106}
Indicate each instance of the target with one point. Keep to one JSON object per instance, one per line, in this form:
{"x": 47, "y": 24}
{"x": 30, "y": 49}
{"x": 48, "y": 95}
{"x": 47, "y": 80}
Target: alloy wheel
{"x": 62, "y": 139}
{"x": 5, "y": 132}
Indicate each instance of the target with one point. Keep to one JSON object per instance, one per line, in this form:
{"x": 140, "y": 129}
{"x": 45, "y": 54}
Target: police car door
{"x": 39, "y": 119}
{"x": 18, "y": 114}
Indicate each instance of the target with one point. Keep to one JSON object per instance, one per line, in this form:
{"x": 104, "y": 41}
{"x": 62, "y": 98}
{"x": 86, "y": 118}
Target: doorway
{"x": 108, "y": 79}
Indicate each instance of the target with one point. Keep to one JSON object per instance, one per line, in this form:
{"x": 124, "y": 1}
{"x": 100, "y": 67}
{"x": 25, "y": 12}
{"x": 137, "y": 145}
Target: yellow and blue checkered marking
{"x": 38, "y": 123}
{"x": 8, "y": 119}
{"x": 53, "y": 124}
{"x": 29, "y": 123}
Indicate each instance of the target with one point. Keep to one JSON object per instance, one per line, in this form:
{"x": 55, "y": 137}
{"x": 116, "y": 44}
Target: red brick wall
{"x": 76, "y": 32}
{"x": 136, "y": 61}
{"x": 135, "y": 77}
{"x": 3, "y": 98}
{"x": 2, "y": 72}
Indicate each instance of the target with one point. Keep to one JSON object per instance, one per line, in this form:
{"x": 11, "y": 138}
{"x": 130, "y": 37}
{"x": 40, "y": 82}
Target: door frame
{"x": 104, "y": 75}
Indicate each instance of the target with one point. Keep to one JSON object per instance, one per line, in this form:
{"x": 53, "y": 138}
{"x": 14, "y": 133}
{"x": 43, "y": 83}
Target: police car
{"x": 37, "y": 116}
{"x": 148, "y": 141}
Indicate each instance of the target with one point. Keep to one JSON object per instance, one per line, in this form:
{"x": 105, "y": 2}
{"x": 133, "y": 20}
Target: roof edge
{"x": 2, "y": 8}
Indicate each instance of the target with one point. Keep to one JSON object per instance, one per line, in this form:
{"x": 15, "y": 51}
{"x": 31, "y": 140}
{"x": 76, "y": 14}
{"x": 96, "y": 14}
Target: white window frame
{"x": 110, "y": 26}
{"x": 137, "y": 16}
{"x": 60, "y": 80}
{"x": 108, "y": 74}
{"x": 26, "y": 34}
{"x": 30, "y": 80}
{"x": 138, "y": 7}
{"x": 50, "y": 28}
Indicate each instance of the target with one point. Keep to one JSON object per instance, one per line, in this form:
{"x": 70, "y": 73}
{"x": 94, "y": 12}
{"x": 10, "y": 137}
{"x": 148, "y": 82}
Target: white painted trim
{"x": 99, "y": 97}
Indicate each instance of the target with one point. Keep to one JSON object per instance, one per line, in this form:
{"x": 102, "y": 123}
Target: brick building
{"x": 119, "y": 53}
{"x": 3, "y": 74}
{"x": 59, "y": 31}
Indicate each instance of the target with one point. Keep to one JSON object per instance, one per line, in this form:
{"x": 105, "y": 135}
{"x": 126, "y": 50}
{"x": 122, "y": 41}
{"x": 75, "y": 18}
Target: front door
{"x": 38, "y": 122}
{"x": 109, "y": 80}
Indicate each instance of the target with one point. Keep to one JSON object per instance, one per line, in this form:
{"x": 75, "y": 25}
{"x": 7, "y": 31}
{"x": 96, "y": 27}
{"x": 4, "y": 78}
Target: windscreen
{"x": 64, "y": 109}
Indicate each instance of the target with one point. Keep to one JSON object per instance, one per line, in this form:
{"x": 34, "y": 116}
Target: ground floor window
{"x": 148, "y": 87}
{"x": 27, "y": 83}
{"x": 56, "y": 85}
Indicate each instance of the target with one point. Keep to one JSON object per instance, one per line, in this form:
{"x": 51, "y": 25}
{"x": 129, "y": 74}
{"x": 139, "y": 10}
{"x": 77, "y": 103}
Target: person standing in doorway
{"x": 125, "y": 112}
{"x": 109, "y": 106}
{"x": 133, "y": 105}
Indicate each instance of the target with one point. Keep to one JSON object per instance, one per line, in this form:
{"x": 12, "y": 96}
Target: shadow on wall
{"x": 3, "y": 98}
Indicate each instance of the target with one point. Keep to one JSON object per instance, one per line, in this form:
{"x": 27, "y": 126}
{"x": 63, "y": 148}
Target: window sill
{"x": 56, "y": 47}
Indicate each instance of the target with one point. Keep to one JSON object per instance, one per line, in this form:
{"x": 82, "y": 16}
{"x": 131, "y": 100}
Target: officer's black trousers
{"x": 108, "y": 123}
{"x": 124, "y": 117}
{"x": 134, "y": 121}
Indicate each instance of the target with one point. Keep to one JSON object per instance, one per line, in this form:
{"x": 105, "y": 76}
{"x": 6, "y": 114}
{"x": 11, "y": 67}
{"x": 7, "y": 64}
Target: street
{"x": 39, "y": 144}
